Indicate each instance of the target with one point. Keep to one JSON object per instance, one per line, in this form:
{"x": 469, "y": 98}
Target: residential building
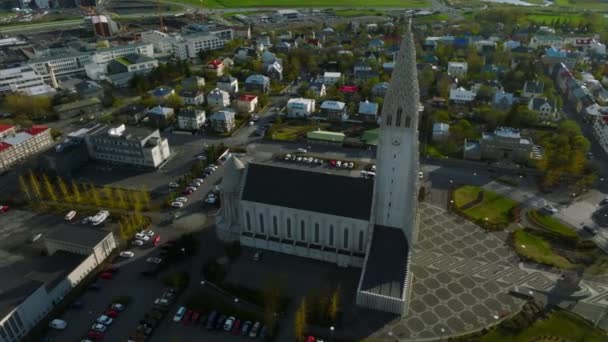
{"x": 506, "y": 144}
{"x": 546, "y": 110}
{"x": 134, "y": 146}
{"x": 131, "y": 63}
{"x": 546, "y": 41}
{"x": 274, "y": 71}
{"x": 192, "y": 97}
{"x": 216, "y": 66}
{"x": 369, "y": 110}
{"x": 380, "y": 89}
{"x": 503, "y": 100}
{"x": 441, "y": 131}
{"x": 81, "y": 107}
{"x": 461, "y": 95}
{"x": 20, "y": 78}
{"x": 193, "y": 83}
{"x": 34, "y": 284}
{"x": 300, "y": 107}
{"x": 18, "y": 146}
{"x": 458, "y": 69}
{"x": 243, "y": 54}
{"x": 318, "y": 89}
{"x": 218, "y": 98}
{"x": 334, "y": 110}
{"x": 162, "y": 93}
{"x": 349, "y": 221}
{"x": 600, "y": 129}
{"x": 331, "y": 78}
{"x": 190, "y": 44}
{"x": 190, "y": 119}
{"x": 229, "y": 84}
{"x": 160, "y": 117}
{"x": 247, "y": 103}
{"x": 223, "y": 121}
{"x": 257, "y": 83}
{"x": 532, "y": 89}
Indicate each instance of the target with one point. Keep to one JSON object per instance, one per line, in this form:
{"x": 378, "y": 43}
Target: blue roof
{"x": 162, "y": 92}
{"x": 553, "y": 52}
{"x": 257, "y": 79}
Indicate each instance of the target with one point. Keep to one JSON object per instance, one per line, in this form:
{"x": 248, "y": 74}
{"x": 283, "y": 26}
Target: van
{"x": 211, "y": 319}
{"x": 69, "y": 216}
{"x": 58, "y": 324}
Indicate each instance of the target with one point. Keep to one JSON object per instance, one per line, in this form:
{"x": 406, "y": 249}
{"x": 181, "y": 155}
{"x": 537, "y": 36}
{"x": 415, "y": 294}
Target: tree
{"x": 174, "y": 101}
{"x": 441, "y": 115}
{"x": 474, "y": 61}
{"x": 334, "y": 304}
{"x": 94, "y": 195}
{"x": 35, "y": 184}
{"x": 24, "y": 188}
{"x": 301, "y": 320}
{"x": 109, "y": 197}
{"x": 76, "y": 192}
{"x": 34, "y": 108}
{"x": 65, "y": 193}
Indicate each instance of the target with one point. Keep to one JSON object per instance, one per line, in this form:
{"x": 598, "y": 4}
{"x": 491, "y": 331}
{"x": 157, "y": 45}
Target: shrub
{"x": 214, "y": 272}
{"x": 177, "y": 279}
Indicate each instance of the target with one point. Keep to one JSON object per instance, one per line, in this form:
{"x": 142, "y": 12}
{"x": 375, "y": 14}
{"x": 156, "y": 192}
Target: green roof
{"x": 326, "y": 136}
{"x": 371, "y": 137}
{"x": 123, "y": 61}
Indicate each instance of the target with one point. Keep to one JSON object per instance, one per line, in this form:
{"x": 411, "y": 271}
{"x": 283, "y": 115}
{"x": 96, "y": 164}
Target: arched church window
{"x": 331, "y": 234}
{"x": 275, "y": 228}
{"x": 248, "y": 219}
{"x": 289, "y": 228}
{"x": 399, "y": 113}
{"x": 302, "y": 230}
{"x": 261, "y": 223}
{"x": 317, "y": 232}
{"x": 361, "y": 240}
{"x": 408, "y": 121}
{"x": 389, "y": 119}
{"x": 345, "y": 242}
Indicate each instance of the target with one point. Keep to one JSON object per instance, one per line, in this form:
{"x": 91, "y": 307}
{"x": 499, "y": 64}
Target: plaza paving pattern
{"x": 462, "y": 276}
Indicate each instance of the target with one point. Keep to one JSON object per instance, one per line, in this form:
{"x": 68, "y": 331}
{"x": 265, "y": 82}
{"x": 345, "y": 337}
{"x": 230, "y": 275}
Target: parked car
{"x": 237, "y": 327}
{"x": 229, "y": 323}
{"x": 3, "y": 209}
{"x": 103, "y": 319}
{"x": 126, "y": 254}
{"x": 257, "y": 256}
{"x": 99, "y": 327}
{"x": 95, "y": 335}
{"x": 179, "y": 314}
{"x": 77, "y": 304}
{"x": 604, "y": 201}
{"x": 69, "y": 216}
{"x": 211, "y": 199}
{"x": 590, "y": 229}
{"x": 186, "y": 192}
{"x": 106, "y": 275}
{"x": 550, "y": 209}
{"x": 173, "y": 185}
{"x": 58, "y": 324}
{"x": 95, "y": 286}
{"x": 213, "y": 316}
{"x": 35, "y": 237}
{"x": 263, "y": 332}
{"x": 255, "y": 330}
{"x": 137, "y": 243}
{"x": 177, "y": 204}
{"x": 187, "y": 317}
{"x": 154, "y": 260}
{"x": 195, "y": 317}
{"x": 246, "y": 327}
{"x": 118, "y": 307}
{"x": 301, "y": 150}
{"x": 220, "y": 322}
{"x": 112, "y": 313}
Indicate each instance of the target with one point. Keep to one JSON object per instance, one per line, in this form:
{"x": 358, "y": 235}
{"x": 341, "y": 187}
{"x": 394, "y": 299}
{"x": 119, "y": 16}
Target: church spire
{"x": 403, "y": 96}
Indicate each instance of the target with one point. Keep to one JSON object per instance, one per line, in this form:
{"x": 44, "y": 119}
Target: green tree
{"x": 76, "y": 192}
{"x": 120, "y": 196}
{"x": 35, "y": 184}
{"x": 63, "y": 188}
{"x": 24, "y": 188}
{"x": 109, "y": 196}
{"x": 301, "y": 320}
{"x": 334, "y": 304}
{"x": 94, "y": 195}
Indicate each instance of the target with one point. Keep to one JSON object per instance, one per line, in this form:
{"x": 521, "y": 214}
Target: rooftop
{"x": 386, "y": 264}
{"x": 82, "y": 236}
{"x": 317, "y": 192}
{"x": 326, "y": 136}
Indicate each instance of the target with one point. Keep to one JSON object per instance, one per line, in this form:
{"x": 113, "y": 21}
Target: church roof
{"x": 308, "y": 190}
{"x": 386, "y": 265}
{"x": 232, "y": 174}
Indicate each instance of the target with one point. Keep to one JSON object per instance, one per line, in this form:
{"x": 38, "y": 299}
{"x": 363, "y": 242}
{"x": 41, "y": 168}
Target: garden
{"x": 486, "y": 208}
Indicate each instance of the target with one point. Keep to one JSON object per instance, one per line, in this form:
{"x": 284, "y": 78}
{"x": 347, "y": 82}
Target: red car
{"x": 188, "y": 192}
{"x": 195, "y": 316}
{"x": 310, "y": 339}
{"x": 112, "y": 269}
{"x": 106, "y": 275}
{"x": 188, "y": 317}
{"x": 332, "y": 163}
{"x": 95, "y": 335}
{"x": 237, "y": 327}
{"x": 112, "y": 313}
{"x": 3, "y": 208}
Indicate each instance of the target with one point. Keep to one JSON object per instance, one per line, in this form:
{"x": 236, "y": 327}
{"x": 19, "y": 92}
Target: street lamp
{"x": 236, "y": 300}
{"x": 331, "y": 329}
{"x": 203, "y": 282}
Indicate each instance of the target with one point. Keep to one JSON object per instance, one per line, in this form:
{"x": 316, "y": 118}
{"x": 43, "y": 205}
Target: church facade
{"x": 353, "y": 222}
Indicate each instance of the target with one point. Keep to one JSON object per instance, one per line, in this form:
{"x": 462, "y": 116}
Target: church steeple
{"x": 395, "y": 190}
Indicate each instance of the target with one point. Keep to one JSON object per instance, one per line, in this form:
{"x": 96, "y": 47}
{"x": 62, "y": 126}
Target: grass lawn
{"x": 582, "y": 4}
{"x": 494, "y": 206}
{"x": 566, "y": 325}
{"x": 292, "y": 130}
{"x": 538, "y": 249}
{"x": 304, "y": 3}
{"x": 357, "y": 13}
{"x": 550, "y": 223}
{"x": 548, "y": 17}
{"x": 432, "y": 151}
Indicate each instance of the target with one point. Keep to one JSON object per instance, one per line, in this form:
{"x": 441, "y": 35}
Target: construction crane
{"x": 202, "y": 10}
{"x": 160, "y": 16}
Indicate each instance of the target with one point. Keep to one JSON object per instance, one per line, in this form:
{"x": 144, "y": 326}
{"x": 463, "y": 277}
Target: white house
{"x": 247, "y": 103}
{"x": 300, "y": 107}
{"x": 461, "y": 95}
{"x": 441, "y": 131}
{"x": 545, "y": 109}
{"x": 191, "y": 119}
{"x": 192, "y": 97}
{"x": 229, "y": 84}
{"x": 546, "y": 40}
{"x": 458, "y": 69}
{"x": 223, "y": 120}
{"x": 331, "y": 78}
{"x": 532, "y": 89}
{"x": 218, "y": 98}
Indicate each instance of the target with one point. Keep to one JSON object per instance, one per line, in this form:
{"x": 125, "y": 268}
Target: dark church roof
{"x": 308, "y": 190}
{"x": 386, "y": 266}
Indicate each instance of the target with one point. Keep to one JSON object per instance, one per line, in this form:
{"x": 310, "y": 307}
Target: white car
{"x": 195, "y": 184}
{"x": 201, "y": 157}
{"x": 351, "y": 165}
{"x": 373, "y": 168}
{"x": 58, "y": 324}
{"x": 213, "y": 166}
{"x": 35, "y": 237}
{"x": 154, "y": 260}
{"x": 69, "y": 216}
{"x": 251, "y": 123}
{"x": 191, "y": 188}
{"x": 86, "y": 220}
{"x": 301, "y": 150}
{"x": 103, "y": 319}
{"x": 177, "y": 204}
{"x": 338, "y": 163}
{"x": 99, "y": 327}
{"x": 173, "y": 185}
{"x": 179, "y": 314}
{"x": 299, "y": 159}
{"x": 551, "y": 209}
{"x": 148, "y": 232}
{"x": 181, "y": 199}
{"x": 127, "y": 254}
{"x": 211, "y": 199}
{"x": 118, "y": 307}
{"x": 199, "y": 180}
{"x": 420, "y": 175}
{"x": 137, "y": 243}
{"x": 142, "y": 236}
{"x": 288, "y": 157}
{"x": 229, "y": 323}
{"x": 345, "y": 165}
{"x": 161, "y": 301}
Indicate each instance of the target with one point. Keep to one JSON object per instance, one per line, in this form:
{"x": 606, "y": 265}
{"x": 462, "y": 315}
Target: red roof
{"x": 247, "y": 98}
{"x": 349, "y": 89}
{"x": 216, "y": 63}
{"x": 4, "y": 146}
{"x": 36, "y": 129}
{"x": 5, "y": 127}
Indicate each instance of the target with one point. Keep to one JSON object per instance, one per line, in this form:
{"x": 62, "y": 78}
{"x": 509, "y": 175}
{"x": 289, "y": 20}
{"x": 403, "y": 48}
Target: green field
{"x": 534, "y": 247}
{"x": 305, "y": 3}
{"x": 563, "y": 324}
{"x": 494, "y": 207}
{"x": 356, "y": 13}
{"x": 583, "y": 4}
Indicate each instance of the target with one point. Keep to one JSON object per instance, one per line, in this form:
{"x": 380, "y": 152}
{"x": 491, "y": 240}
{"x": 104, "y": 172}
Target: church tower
{"x": 395, "y": 191}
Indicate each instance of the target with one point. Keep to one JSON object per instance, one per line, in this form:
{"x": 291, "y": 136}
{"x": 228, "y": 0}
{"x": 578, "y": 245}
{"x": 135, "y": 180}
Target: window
{"x": 261, "y": 223}
{"x": 316, "y": 232}
{"x": 289, "y": 228}
{"x": 361, "y": 240}
{"x": 345, "y": 241}
{"x": 389, "y": 119}
{"x": 275, "y": 229}
{"x": 408, "y": 121}
{"x": 331, "y": 234}
{"x": 248, "y": 217}
{"x": 302, "y": 230}
{"x": 399, "y": 113}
